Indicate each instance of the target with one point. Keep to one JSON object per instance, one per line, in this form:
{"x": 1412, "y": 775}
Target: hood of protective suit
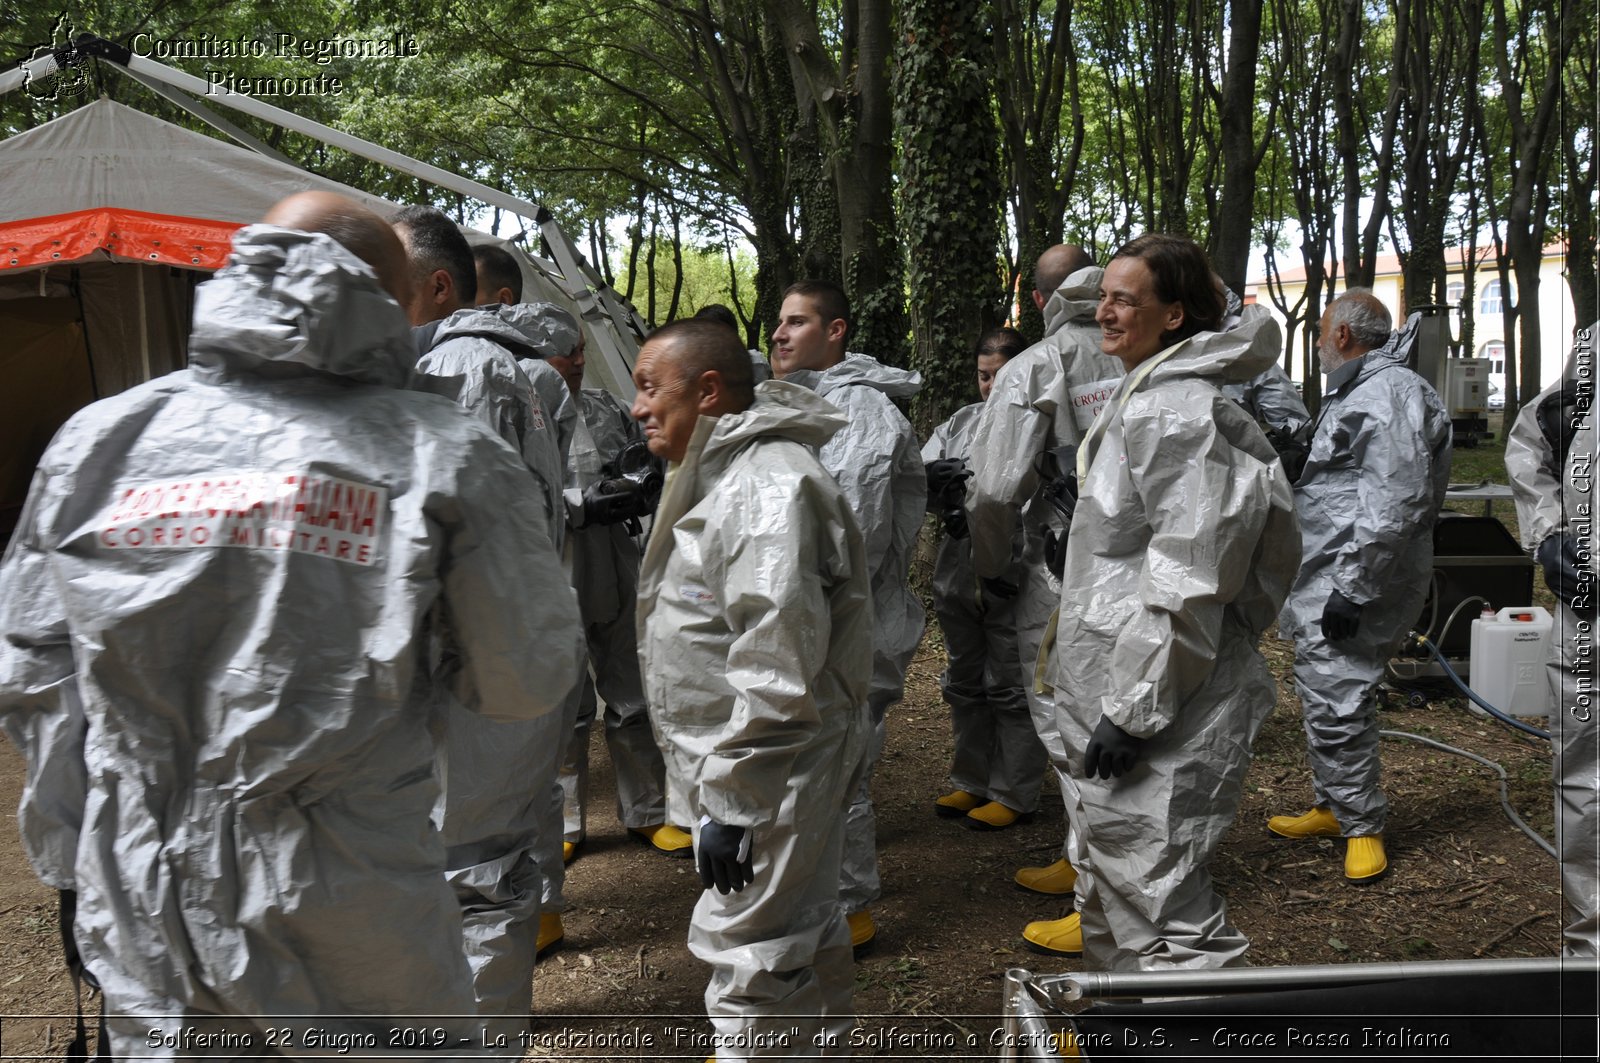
{"x": 759, "y": 726}
{"x": 1538, "y": 476}
{"x": 1074, "y": 302}
{"x": 780, "y": 409}
{"x": 541, "y": 330}
{"x": 1395, "y": 351}
{"x": 1241, "y": 353}
{"x": 859, "y": 369}
{"x": 289, "y": 303}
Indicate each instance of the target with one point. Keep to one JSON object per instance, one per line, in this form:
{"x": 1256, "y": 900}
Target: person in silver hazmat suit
{"x": 1368, "y": 498}
{"x": 755, "y": 620}
{"x": 601, "y": 504}
{"x": 546, "y": 332}
{"x": 878, "y": 466}
{"x": 500, "y": 802}
{"x": 235, "y": 571}
{"x": 470, "y": 353}
{"x": 1044, "y": 400}
{"x": 1269, "y": 396}
{"x": 1550, "y": 454}
{"x": 997, "y": 756}
{"x": 1183, "y": 547}
{"x": 545, "y": 339}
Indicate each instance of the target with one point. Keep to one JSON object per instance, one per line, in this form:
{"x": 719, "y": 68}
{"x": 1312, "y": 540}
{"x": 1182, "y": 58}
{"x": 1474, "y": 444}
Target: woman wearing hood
{"x": 1184, "y": 545}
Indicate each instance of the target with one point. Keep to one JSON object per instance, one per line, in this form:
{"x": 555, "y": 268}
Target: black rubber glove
{"x": 1293, "y": 449}
{"x": 1563, "y": 572}
{"x": 613, "y": 501}
{"x": 1341, "y": 618}
{"x": 1055, "y": 552}
{"x": 942, "y": 471}
{"x": 1001, "y": 588}
{"x": 955, "y": 522}
{"x": 1112, "y": 751}
{"x": 723, "y": 854}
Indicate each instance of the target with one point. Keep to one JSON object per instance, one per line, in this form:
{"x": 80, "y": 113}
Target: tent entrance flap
{"x": 45, "y": 364}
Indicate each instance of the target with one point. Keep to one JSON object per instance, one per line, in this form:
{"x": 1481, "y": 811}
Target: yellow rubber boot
{"x": 994, "y": 816}
{"x": 955, "y": 803}
{"x": 665, "y": 838}
{"x": 862, "y": 930}
{"x": 1055, "y": 937}
{"x": 550, "y": 934}
{"x": 1318, "y": 823}
{"x": 568, "y": 851}
{"x": 1364, "y": 858}
{"x": 1057, "y": 879}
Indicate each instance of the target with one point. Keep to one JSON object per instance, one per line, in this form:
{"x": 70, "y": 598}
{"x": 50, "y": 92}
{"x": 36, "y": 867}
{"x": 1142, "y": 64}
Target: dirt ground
{"x": 1464, "y": 883}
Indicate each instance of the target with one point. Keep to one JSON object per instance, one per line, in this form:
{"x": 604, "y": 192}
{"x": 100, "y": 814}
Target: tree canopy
{"x": 924, "y": 154}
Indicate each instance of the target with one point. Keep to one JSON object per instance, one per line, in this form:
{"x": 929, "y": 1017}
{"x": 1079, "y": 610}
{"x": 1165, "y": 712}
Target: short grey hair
{"x": 1367, "y": 318}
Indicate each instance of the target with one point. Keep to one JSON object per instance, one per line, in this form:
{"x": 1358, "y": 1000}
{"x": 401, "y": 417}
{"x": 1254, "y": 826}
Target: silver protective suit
{"x": 477, "y": 349}
{"x": 878, "y": 465}
{"x": 755, "y": 624}
{"x": 1373, "y": 484}
{"x": 1044, "y": 398}
{"x": 1270, "y": 398}
{"x": 605, "y": 571}
{"x": 555, "y": 401}
{"x": 238, "y": 570}
{"x": 997, "y": 754}
{"x": 552, "y": 332}
{"x": 1537, "y": 479}
{"x": 499, "y": 809}
{"x": 760, "y": 368}
{"x": 1182, "y": 549}
{"x": 1558, "y": 496}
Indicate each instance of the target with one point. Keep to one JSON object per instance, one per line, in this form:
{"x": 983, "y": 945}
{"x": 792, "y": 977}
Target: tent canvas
{"x": 110, "y": 219}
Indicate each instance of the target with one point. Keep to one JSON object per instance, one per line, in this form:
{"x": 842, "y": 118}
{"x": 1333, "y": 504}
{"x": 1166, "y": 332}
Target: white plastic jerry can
{"x": 1509, "y": 652}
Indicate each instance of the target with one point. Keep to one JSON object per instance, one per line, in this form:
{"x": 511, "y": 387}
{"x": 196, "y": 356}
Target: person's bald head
{"x": 1054, "y": 266}
{"x": 357, "y": 229}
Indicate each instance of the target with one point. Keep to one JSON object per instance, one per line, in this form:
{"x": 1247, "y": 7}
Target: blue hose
{"x": 1427, "y": 643}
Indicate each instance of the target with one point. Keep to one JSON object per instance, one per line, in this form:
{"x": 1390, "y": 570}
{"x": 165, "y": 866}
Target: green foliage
{"x": 705, "y": 280}
{"x": 1086, "y": 121}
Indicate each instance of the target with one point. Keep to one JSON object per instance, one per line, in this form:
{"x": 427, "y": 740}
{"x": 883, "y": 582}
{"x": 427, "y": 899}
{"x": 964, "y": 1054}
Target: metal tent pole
{"x": 1068, "y": 988}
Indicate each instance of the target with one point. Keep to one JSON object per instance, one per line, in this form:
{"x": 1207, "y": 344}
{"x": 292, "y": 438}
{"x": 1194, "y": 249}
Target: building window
{"x": 1495, "y": 351}
{"x": 1453, "y": 292}
{"x": 1490, "y": 303}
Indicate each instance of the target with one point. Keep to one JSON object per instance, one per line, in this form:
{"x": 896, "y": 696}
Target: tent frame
{"x": 1030, "y": 1000}
{"x": 596, "y": 300}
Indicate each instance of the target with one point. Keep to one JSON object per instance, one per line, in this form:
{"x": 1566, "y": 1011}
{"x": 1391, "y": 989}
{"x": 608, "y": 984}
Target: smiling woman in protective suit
{"x": 1182, "y": 550}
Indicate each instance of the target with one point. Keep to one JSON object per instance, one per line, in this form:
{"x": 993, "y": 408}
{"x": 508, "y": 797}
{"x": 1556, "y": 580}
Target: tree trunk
{"x": 1035, "y": 73}
{"x": 650, "y": 273}
{"x": 1528, "y": 207}
{"x": 852, "y": 104}
{"x": 950, "y": 194}
{"x": 1231, "y": 232}
{"x": 1361, "y": 241}
{"x": 677, "y": 262}
{"x": 1577, "y": 114}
